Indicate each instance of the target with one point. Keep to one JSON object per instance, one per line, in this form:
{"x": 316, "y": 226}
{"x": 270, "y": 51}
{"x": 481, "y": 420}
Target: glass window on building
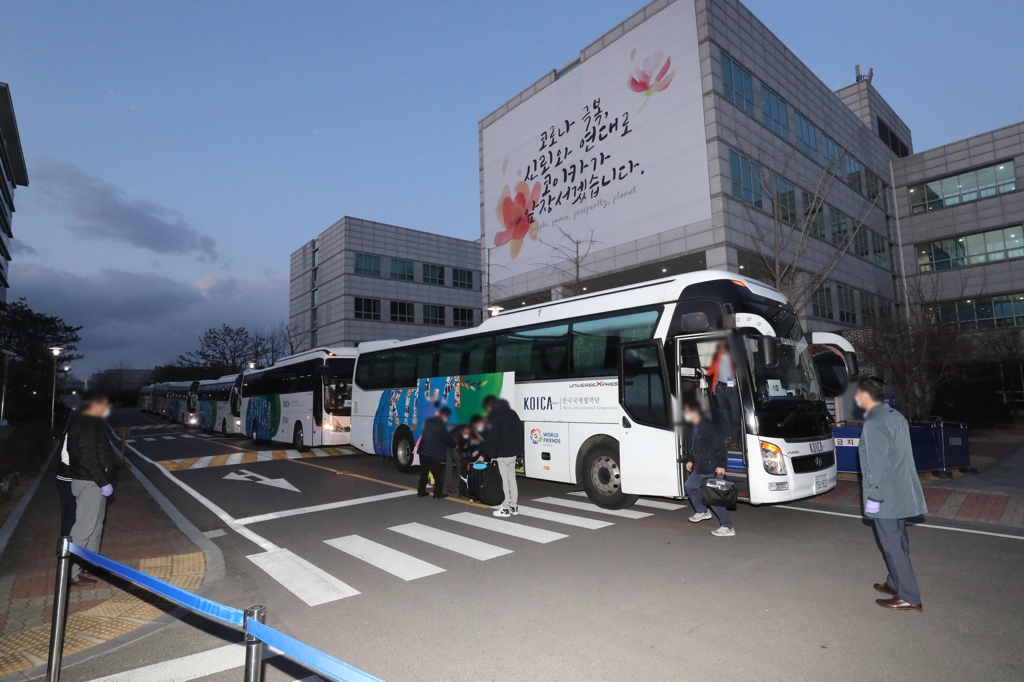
{"x": 880, "y": 250}
{"x": 746, "y": 179}
{"x": 860, "y": 243}
{"x": 367, "y": 308}
{"x": 462, "y": 317}
{"x": 776, "y": 113}
{"x": 814, "y": 215}
{"x": 784, "y": 199}
{"x": 434, "y": 315}
{"x": 840, "y": 226}
{"x": 833, "y": 155}
{"x": 402, "y": 311}
{"x": 847, "y": 304}
{"x": 867, "y": 309}
{"x": 984, "y": 247}
{"x": 462, "y": 279}
{"x": 963, "y": 188}
{"x": 315, "y": 299}
{"x": 433, "y": 274}
{"x": 852, "y": 175}
{"x": 821, "y": 301}
{"x": 402, "y": 270}
{"x": 806, "y": 136}
{"x": 737, "y": 84}
{"x": 367, "y": 264}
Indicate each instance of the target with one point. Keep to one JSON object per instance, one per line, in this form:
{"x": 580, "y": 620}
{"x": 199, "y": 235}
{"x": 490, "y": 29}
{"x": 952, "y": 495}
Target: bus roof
{"x": 658, "y": 291}
{"x": 322, "y": 352}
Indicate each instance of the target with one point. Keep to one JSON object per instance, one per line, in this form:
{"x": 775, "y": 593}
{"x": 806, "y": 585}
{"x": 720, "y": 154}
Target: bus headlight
{"x": 238, "y": 422}
{"x": 328, "y": 427}
{"x": 774, "y": 462}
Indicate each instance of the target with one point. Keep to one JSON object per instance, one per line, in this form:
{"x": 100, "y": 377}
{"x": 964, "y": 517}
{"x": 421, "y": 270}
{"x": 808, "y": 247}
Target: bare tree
{"x": 225, "y": 350}
{"x": 783, "y": 237}
{"x": 270, "y": 347}
{"x": 569, "y": 254}
{"x": 1004, "y": 348}
{"x": 296, "y": 339}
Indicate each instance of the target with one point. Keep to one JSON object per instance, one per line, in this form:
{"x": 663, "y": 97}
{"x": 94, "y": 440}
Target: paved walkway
{"x": 137, "y": 533}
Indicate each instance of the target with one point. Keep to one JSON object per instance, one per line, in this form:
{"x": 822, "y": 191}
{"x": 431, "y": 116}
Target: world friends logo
{"x": 535, "y": 436}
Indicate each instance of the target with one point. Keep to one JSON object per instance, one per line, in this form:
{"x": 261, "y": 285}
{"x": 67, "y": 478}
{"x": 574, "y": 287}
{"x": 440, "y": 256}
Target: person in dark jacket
{"x": 92, "y": 462}
{"x": 706, "y": 458}
{"x": 503, "y": 442}
{"x": 892, "y": 491}
{"x": 67, "y": 498}
{"x": 433, "y": 450}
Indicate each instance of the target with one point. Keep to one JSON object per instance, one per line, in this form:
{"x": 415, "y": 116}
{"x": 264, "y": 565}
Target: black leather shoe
{"x": 422, "y": 494}
{"x": 81, "y": 581}
{"x": 884, "y": 587}
{"x": 897, "y": 603}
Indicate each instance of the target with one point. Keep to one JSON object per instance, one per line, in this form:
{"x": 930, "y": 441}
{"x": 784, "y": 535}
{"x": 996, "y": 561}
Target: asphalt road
{"x": 788, "y": 598}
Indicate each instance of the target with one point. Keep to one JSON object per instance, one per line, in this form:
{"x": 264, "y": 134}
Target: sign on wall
{"x": 613, "y": 151}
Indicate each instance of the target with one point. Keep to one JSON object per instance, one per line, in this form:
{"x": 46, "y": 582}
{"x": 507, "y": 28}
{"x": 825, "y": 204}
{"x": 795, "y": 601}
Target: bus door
{"x": 648, "y": 443}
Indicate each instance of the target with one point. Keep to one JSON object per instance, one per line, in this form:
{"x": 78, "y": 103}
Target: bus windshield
{"x": 338, "y": 386}
{"x": 793, "y": 377}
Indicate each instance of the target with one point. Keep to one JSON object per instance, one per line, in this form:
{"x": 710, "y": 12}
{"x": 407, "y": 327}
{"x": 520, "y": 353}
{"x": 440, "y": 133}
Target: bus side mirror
{"x": 832, "y": 370}
{"x": 768, "y": 346}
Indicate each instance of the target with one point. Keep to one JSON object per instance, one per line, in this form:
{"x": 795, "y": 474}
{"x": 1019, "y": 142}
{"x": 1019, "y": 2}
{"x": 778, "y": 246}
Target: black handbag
{"x": 718, "y": 492}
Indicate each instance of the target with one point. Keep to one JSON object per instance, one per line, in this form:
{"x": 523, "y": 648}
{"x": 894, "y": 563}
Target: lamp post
{"x": 3, "y": 391}
{"x": 53, "y": 396}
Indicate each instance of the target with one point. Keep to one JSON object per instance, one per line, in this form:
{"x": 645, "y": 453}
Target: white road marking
{"x": 320, "y": 453}
{"x": 243, "y": 475}
{"x": 150, "y": 440}
{"x": 204, "y": 435}
{"x": 587, "y": 506}
{"x": 185, "y": 435}
{"x": 309, "y": 583}
{"x": 915, "y": 525}
{"x": 202, "y": 462}
{"x": 215, "y": 533}
{"x": 234, "y": 458}
{"x": 652, "y": 504}
{"x": 130, "y": 440}
{"x": 559, "y": 517}
{"x": 188, "y": 667}
{"x": 507, "y": 527}
{"x": 168, "y": 437}
{"x": 264, "y": 455}
{"x": 323, "y": 507}
{"x": 293, "y": 454}
{"x": 394, "y": 562}
{"x": 450, "y": 541}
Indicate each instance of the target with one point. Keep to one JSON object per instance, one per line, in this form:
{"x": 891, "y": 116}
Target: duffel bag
{"x": 718, "y": 492}
{"x": 491, "y": 490}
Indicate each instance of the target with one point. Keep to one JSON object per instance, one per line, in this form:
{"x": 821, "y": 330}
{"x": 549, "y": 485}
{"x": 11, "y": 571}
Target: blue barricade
{"x": 937, "y": 446}
{"x": 847, "y": 440}
{"x": 314, "y": 659}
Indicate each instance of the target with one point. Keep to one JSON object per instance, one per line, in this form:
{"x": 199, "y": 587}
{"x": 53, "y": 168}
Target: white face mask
{"x": 856, "y": 399}
{"x": 106, "y": 413}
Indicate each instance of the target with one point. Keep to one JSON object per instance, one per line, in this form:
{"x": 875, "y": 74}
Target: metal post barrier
{"x": 60, "y": 610}
{"x": 253, "y": 646}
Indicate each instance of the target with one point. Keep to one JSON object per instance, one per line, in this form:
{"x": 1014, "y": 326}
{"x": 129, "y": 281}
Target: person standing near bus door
{"x": 892, "y": 491}
{"x": 503, "y": 442}
{"x": 433, "y": 449}
{"x": 93, "y": 463}
{"x": 722, "y": 384}
{"x": 706, "y": 459}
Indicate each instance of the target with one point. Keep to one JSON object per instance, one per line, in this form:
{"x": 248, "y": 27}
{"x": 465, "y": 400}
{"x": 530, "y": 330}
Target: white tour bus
{"x": 599, "y": 381}
{"x": 217, "y": 404}
{"x": 304, "y": 399}
{"x": 172, "y": 399}
{"x": 146, "y": 398}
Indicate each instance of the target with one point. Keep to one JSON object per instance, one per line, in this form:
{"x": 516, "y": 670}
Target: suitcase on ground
{"x": 476, "y": 473}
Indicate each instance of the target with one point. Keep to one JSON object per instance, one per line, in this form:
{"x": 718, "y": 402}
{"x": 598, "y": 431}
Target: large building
{"x": 680, "y": 140}
{"x": 364, "y": 281}
{"x": 961, "y": 219}
{"x": 12, "y": 174}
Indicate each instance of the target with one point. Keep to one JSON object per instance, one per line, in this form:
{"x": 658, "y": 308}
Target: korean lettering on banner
{"x": 571, "y": 171}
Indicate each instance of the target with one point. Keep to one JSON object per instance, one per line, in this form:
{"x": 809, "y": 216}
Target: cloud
{"x": 145, "y": 318}
{"x": 19, "y": 247}
{"x": 102, "y": 211}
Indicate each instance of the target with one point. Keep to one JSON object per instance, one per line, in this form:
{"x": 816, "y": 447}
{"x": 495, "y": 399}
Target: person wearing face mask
{"x": 707, "y": 458}
{"x": 92, "y": 463}
{"x": 892, "y": 491}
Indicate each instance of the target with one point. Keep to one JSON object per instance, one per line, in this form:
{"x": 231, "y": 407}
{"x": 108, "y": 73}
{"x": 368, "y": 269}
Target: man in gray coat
{"x": 892, "y": 491}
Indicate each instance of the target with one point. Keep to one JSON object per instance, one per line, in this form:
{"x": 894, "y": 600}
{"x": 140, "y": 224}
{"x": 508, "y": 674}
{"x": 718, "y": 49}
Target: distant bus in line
{"x": 599, "y": 380}
{"x": 217, "y": 404}
{"x": 304, "y": 399}
{"x": 146, "y": 398}
{"x": 175, "y": 400}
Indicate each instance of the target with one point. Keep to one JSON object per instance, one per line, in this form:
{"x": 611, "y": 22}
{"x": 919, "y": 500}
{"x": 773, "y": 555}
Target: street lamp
{"x": 53, "y": 396}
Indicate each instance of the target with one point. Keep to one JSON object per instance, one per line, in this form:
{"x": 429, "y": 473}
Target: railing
{"x": 251, "y": 621}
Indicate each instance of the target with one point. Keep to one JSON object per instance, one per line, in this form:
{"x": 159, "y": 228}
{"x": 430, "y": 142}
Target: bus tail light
{"x": 771, "y": 456}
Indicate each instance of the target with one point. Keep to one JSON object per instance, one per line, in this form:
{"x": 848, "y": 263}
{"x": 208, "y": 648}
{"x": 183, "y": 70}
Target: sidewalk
{"x": 137, "y": 533}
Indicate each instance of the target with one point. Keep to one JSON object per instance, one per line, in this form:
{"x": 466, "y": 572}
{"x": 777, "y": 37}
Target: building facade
{"x": 12, "y": 174}
{"x": 680, "y": 140}
{"x": 363, "y": 281}
{"x": 961, "y": 219}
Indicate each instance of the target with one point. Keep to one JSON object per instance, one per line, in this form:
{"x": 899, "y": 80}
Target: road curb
{"x": 7, "y": 530}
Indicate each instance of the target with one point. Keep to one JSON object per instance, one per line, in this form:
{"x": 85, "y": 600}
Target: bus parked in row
{"x": 304, "y": 399}
{"x": 175, "y": 400}
{"x": 217, "y": 403}
{"x": 146, "y": 398}
{"x": 599, "y": 380}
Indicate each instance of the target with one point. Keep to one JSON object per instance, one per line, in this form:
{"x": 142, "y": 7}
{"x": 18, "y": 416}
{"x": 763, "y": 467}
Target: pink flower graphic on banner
{"x": 651, "y": 77}
{"x": 515, "y": 213}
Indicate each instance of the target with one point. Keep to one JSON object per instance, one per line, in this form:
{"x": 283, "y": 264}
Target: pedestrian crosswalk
{"x": 315, "y": 586}
{"x": 250, "y": 457}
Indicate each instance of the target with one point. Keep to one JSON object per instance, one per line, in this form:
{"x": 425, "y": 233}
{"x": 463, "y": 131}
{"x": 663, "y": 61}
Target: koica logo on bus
{"x": 538, "y": 403}
{"x": 535, "y": 436}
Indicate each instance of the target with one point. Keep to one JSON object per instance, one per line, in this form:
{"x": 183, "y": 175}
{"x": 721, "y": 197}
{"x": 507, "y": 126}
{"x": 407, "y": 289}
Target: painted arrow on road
{"x": 243, "y": 475}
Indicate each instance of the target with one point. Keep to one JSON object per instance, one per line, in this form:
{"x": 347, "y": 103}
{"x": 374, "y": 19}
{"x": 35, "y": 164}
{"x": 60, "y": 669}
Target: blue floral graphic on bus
{"x": 265, "y": 410}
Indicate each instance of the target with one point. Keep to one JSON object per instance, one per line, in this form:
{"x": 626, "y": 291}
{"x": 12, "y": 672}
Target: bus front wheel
{"x": 297, "y": 440}
{"x": 224, "y": 427}
{"x": 602, "y": 479}
{"x": 401, "y": 449}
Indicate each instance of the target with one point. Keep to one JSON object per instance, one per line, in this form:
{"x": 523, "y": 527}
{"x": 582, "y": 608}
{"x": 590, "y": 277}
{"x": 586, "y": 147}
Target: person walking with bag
{"x": 92, "y": 464}
{"x": 892, "y": 491}
{"x": 503, "y": 443}
{"x": 706, "y": 458}
{"x": 433, "y": 450}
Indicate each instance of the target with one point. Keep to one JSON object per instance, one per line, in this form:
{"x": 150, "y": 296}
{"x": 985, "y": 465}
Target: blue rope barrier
{"x": 314, "y": 659}
{"x": 193, "y": 602}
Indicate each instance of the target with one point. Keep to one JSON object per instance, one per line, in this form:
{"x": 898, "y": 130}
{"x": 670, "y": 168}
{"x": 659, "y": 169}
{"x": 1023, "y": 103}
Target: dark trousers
{"x": 892, "y": 538}
{"x": 729, "y": 408}
{"x": 68, "y": 507}
{"x": 432, "y": 466}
